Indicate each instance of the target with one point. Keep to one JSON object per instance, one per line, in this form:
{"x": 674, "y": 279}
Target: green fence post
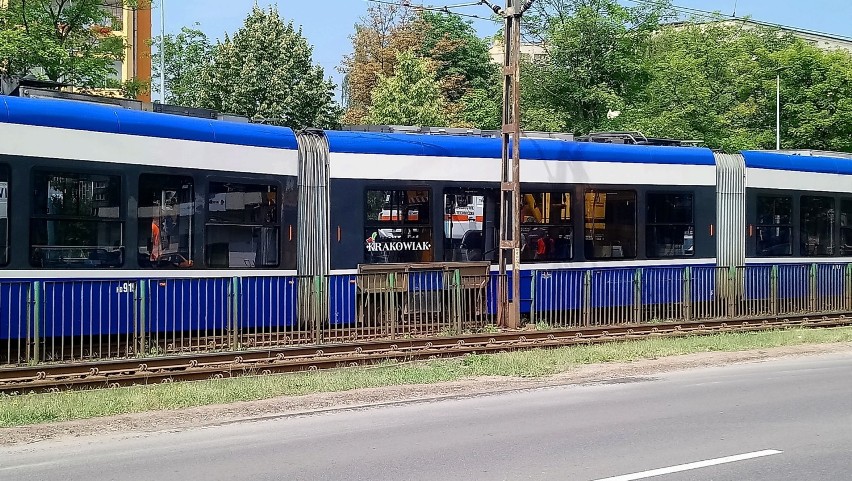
{"x": 37, "y": 287}
{"x": 317, "y": 308}
{"x": 812, "y": 295}
{"x": 29, "y": 349}
{"x": 587, "y": 298}
{"x": 457, "y": 300}
{"x": 732, "y": 292}
{"x": 637, "y": 295}
{"x": 235, "y": 313}
{"x": 533, "y": 318}
{"x": 773, "y": 290}
{"x": 391, "y": 314}
{"x": 687, "y": 293}
{"x": 848, "y": 287}
{"x": 142, "y": 302}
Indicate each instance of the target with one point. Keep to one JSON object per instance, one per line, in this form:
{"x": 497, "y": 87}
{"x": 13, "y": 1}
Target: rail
{"x": 115, "y": 373}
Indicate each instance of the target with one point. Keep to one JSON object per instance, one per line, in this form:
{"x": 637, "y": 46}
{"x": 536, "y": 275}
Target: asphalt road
{"x": 801, "y": 409}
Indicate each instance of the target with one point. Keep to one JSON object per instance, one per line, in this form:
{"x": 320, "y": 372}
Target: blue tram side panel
{"x": 526, "y": 291}
{"x": 83, "y": 308}
{"x": 662, "y": 285}
{"x": 831, "y": 279}
{"x": 612, "y": 287}
{"x": 342, "y": 297}
{"x": 268, "y": 303}
{"x": 188, "y": 305}
{"x": 793, "y": 281}
{"x": 15, "y": 321}
{"x": 757, "y": 282}
{"x": 559, "y": 290}
{"x": 703, "y": 283}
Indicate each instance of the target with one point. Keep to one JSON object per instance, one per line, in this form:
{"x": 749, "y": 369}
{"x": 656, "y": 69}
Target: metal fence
{"x": 74, "y": 320}
{"x": 578, "y": 298}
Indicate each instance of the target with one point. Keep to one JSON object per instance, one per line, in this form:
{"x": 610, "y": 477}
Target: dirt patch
{"x": 142, "y": 424}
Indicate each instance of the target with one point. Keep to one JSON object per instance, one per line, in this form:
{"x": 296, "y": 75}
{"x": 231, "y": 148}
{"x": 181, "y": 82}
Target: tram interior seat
{"x": 472, "y": 245}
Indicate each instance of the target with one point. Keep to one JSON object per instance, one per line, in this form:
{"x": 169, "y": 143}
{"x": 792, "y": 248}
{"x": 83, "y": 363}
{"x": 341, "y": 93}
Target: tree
{"x": 482, "y": 107}
{"x": 412, "y": 96}
{"x": 715, "y": 82}
{"x": 708, "y": 82}
{"x": 461, "y": 57}
{"x": 594, "y": 48}
{"x": 187, "y": 56}
{"x": 60, "y": 40}
{"x": 266, "y": 72}
{"x": 380, "y": 36}
{"x": 816, "y": 97}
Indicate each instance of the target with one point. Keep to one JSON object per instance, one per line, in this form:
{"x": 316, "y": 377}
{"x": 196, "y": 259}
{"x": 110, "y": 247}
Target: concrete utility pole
{"x": 509, "y": 312}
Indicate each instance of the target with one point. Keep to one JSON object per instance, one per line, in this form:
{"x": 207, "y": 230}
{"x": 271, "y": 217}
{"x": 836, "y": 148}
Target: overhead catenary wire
{"x": 436, "y": 8}
{"x": 709, "y": 15}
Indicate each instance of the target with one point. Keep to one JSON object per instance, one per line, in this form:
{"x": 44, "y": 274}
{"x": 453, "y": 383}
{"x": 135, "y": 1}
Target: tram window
{"x": 670, "y": 229}
{"x": 4, "y": 215}
{"x": 76, "y": 221}
{"x": 546, "y": 230}
{"x": 774, "y": 229}
{"x": 464, "y": 214}
{"x": 398, "y": 227}
{"x": 817, "y": 226}
{"x": 242, "y": 228}
{"x": 610, "y": 230}
{"x": 846, "y": 227}
{"x": 166, "y": 212}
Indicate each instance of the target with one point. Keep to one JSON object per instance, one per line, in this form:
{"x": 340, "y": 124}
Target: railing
{"x": 74, "y": 320}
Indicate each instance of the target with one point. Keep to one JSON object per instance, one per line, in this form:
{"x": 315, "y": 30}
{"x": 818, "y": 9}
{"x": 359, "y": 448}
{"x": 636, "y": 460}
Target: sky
{"x": 328, "y": 24}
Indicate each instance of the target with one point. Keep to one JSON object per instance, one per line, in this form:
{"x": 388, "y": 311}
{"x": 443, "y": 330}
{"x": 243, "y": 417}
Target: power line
{"x": 437, "y": 8}
{"x": 706, "y": 14}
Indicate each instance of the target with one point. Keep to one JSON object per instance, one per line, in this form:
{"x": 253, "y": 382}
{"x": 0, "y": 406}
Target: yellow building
{"x": 134, "y": 26}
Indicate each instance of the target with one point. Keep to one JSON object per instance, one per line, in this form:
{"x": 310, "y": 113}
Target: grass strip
{"x": 73, "y": 405}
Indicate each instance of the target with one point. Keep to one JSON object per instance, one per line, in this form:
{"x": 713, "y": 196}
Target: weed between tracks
{"x": 70, "y": 405}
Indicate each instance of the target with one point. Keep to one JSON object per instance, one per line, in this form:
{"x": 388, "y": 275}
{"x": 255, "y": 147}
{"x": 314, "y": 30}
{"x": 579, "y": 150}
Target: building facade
{"x": 133, "y": 25}
{"x": 529, "y": 51}
{"x": 818, "y": 39}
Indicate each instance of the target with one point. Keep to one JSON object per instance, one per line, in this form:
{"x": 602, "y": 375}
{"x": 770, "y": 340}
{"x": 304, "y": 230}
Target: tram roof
{"x": 68, "y": 114}
{"x": 531, "y": 149}
{"x": 823, "y": 164}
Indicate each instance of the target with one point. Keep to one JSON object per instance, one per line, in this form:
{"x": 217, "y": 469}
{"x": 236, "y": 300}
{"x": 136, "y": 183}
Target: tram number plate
{"x": 125, "y": 288}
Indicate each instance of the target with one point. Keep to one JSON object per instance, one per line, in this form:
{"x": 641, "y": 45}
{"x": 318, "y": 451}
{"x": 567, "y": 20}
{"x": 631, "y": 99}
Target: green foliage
{"x": 265, "y": 72}
{"x": 481, "y": 107}
{"x": 816, "y": 96}
{"x": 411, "y": 96}
{"x": 461, "y": 57}
{"x": 593, "y": 62}
{"x": 187, "y": 56}
{"x": 61, "y": 41}
{"x": 459, "y": 60}
{"x": 717, "y": 83}
{"x": 709, "y": 82}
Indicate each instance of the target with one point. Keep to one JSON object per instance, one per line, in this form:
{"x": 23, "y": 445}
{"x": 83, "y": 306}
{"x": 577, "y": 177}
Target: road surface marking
{"x": 696, "y": 465}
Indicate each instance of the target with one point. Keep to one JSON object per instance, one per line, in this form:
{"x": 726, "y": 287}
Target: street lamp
{"x": 778, "y": 109}
{"x": 778, "y": 71}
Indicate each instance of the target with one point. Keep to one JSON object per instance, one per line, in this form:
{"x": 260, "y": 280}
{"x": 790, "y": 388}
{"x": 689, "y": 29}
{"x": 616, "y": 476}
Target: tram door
{"x": 465, "y": 224}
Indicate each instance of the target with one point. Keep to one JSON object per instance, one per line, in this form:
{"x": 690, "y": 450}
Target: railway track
{"x": 124, "y": 372}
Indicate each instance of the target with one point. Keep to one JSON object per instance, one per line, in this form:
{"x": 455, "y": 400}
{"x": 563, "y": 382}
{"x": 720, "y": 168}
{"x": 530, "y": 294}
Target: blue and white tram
{"x": 116, "y": 198}
{"x": 101, "y": 193}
